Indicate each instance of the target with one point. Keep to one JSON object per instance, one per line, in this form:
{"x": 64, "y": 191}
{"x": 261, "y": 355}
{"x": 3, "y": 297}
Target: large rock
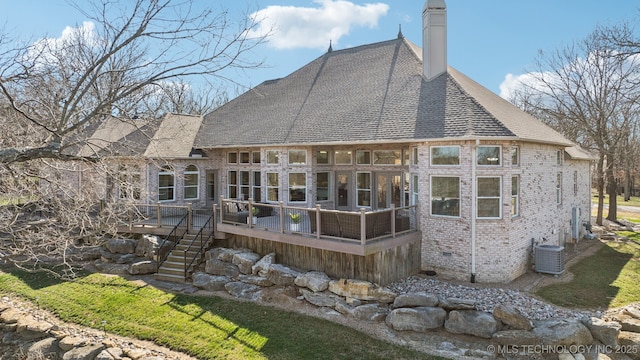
{"x": 111, "y": 268}
{"x": 219, "y": 267}
{"x": 282, "y": 275}
{"x": 245, "y": 261}
{"x": 243, "y": 290}
{"x": 142, "y": 267}
{"x": 630, "y": 343}
{"x": 83, "y": 352}
{"x": 362, "y": 290}
{"x": 117, "y": 258}
{"x": 512, "y": 317}
{"x": 314, "y": 280}
{"x": 10, "y": 316}
{"x": 261, "y": 267}
{"x": 30, "y": 329}
{"x": 255, "y": 280}
{"x": 222, "y": 254}
{"x": 147, "y": 246}
{"x": 121, "y": 246}
{"x": 322, "y": 299}
{"x": 629, "y": 324}
{"x": 209, "y": 282}
{"x": 416, "y": 319}
{"x": 605, "y": 331}
{"x": 46, "y": 348}
{"x": 415, "y": 300}
{"x": 562, "y": 332}
{"x": 515, "y": 338}
{"x": 471, "y": 322}
{"x": 457, "y": 304}
{"x": 371, "y": 312}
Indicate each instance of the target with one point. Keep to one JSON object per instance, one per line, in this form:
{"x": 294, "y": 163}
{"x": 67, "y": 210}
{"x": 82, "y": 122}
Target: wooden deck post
{"x": 393, "y": 220}
{"x": 189, "y": 217}
{"x": 281, "y": 217}
{"x": 159, "y": 213}
{"x": 318, "y": 217}
{"x": 250, "y": 216}
{"x": 363, "y": 226}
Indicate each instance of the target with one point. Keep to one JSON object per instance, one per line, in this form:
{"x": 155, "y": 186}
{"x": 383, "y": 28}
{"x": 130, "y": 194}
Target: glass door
{"x": 343, "y": 193}
{"x": 388, "y": 190}
{"x": 212, "y": 193}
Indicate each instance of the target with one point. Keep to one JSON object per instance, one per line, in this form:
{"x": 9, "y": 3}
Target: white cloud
{"x": 43, "y": 50}
{"x": 306, "y": 27}
{"x": 513, "y": 83}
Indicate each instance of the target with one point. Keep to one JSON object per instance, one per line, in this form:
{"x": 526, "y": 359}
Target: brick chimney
{"x": 434, "y": 38}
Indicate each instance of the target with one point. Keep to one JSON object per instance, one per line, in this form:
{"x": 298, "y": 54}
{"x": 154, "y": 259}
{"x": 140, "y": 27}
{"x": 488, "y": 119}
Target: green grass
{"x": 205, "y": 327}
{"x": 608, "y": 279}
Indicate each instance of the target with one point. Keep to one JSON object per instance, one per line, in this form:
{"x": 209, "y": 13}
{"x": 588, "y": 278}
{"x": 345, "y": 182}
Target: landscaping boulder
{"x": 121, "y": 246}
{"x": 245, "y": 261}
{"x": 515, "y": 338}
{"x": 562, "y": 332}
{"x": 314, "y": 280}
{"x": 360, "y": 289}
{"x": 83, "y": 352}
{"x": 282, "y": 275}
{"x": 471, "y": 322}
{"x": 457, "y": 304}
{"x": 605, "y": 331}
{"x": 630, "y": 341}
{"x": 222, "y": 254}
{"x": 261, "y": 266}
{"x": 255, "y": 280}
{"x": 209, "y": 282}
{"x": 29, "y": 328}
{"x": 117, "y": 258}
{"x": 422, "y": 299}
{"x": 46, "y": 348}
{"x": 219, "y": 267}
{"x": 147, "y": 246}
{"x": 416, "y": 319}
{"x": 371, "y": 312}
{"x": 628, "y": 323}
{"x": 243, "y": 290}
{"x": 142, "y": 267}
{"x": 512, "y": 317}
{"x": 322, "y": 299}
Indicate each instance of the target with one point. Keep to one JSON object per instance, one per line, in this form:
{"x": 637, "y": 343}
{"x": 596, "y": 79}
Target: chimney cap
{"x": 434, "y": 4}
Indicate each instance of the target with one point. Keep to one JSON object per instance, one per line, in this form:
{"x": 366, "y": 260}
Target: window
{"x": 415, "y": 189}
{"x": 489, "y": 155}
{"x": 515, "y": 197}
{"x": 406, "y": 188}
{"x": 232, "y": 158}
{"x": 363, "y": 185}
{"x": 297, "y": 187}
{"x": 244, "y": 157}
{"x": 445, "y": 195}
{"x": 575, "y": 183}
{"x": 255, "y": 157}
{"x": 322, "y": 157}
{"x": 232, "y": 184}
{"x": 191, "y": 182}
{"x": 272, "y": 156}
{"x": 272, "y": 187}
{"x": 387, "y": 157}
{"x": 166, "y": 184}
{"x": 488, "y": 198}
{"x": 415, "y": 156}
{"x": 128, "y": 182}
{"x": 559, "y": 157}
{"x": 406, "y": 157}
{"x": 559, "y": 188}
{"x": 363, "y": 157}
{"x": 245, "y": 183}
{"x": 297, "y": 157}
{"x": 323, "y": 186}
{"x": 445, "y": 155}
{"x": 343, "y": 157}
{"x": 515, "y": 156}
{"x": 257, "y": 189}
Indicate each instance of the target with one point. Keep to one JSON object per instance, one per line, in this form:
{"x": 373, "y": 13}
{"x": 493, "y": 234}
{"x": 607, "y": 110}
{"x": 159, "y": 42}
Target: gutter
{"x": 474, "y": 190}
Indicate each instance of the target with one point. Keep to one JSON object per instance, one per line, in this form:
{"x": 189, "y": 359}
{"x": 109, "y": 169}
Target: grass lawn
{"x": 609, "y": 278}
{"x": 205, "y": 327}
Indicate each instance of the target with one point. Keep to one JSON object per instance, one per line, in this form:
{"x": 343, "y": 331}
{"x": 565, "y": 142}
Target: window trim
{"x": 329, "y": 185}
{"x": 276, "y": 153}
{"x": 301, "y": 151}
{"x": 335, "y": 157}
{"x": 397, "y": 162}
{"x": 167, "y": 171}
{"x": 359, "y": 189}
{"x": 431, "y": 196}
{"x": 515, "y": 198}
{"x": 499, "y": 198}
{"x": 328, "y": 152}
{"x": 489, "y": 146}
{"x": 256, "y": 187}
{"x": 517, "y": 155}
{"x": 255, "y": 154}
{"x": 231, "y": 154}
{"x": 232, "y": 182}
{"x": 363, "y": 152}
{"x": 431, "y": 157}
{"x": 275, "y": 187}
{"x": 297, "y": 187}
{"x": 195, "y": 172}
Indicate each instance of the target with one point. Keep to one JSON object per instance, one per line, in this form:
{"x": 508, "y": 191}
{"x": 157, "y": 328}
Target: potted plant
{"x": 254, "y": 215}
{"x": 295, "y": 221}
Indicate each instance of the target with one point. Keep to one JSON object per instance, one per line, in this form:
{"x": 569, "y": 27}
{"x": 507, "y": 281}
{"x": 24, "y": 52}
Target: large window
{"x": 342, "y": 157}
{"x": 272, "y": 156}
{"x": 166, "y": 184}
{"x": 387, "y": 157}
{"x": 257, "y": 189}
{"x": 273, "y": 185}
{"x": 445, "y": 195}
{"x": 489, "y": 155}
{"x": 191, "y": 182}
{"x": 515, "y": 196}
{"x": 232, "y": 184}
{"x": 515, "y": 156}
{"x": 363, "y": 184}
{"x": 245, "y": 184}
{"x": 489, "y": 199}
{"x": 297, "y": 187}
{"x": 323, "y": 186}
{"x": 363, "y": 157}
{"x": 322, "y": 157}
{"x": 559, "y": 188}
{"x": 255, "y": 157}
{"x": 445, "y": 155}
{"x": 297, "y": 157}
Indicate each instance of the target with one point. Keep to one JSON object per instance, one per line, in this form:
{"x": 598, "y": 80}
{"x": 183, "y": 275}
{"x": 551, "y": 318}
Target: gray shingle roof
{"x": 368, "y": 94}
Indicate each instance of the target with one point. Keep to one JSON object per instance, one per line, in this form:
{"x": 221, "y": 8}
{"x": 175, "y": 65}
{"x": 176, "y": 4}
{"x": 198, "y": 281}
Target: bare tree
{"x": 53, "y": 92}
{"x": 590, "y": 94}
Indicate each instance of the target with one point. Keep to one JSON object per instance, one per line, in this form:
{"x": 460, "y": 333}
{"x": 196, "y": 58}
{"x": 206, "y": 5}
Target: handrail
{"x": 207, "y": 224}
{"x": 173, "y": 232}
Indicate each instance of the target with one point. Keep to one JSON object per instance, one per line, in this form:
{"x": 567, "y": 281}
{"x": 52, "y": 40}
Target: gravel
{"x": 488, "y": 298}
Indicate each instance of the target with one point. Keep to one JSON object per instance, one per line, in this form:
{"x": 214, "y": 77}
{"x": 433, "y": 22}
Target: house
{"x": 390, "y": 124}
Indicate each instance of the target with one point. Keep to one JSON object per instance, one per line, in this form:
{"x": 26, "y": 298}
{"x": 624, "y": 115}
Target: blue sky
{"x": 487, "y": 40}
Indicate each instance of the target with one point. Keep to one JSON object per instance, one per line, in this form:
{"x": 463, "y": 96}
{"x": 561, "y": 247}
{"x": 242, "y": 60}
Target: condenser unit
{"x": 549, "y": 259}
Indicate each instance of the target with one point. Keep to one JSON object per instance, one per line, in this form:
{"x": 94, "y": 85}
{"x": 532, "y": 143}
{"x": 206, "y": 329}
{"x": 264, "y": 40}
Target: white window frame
{"x": 328, "y": 156}
{"x": 244, "y": 184}
{"x": 295, "y": 153}
{"x": 188, "y": 171}
{"x": 415, "y": 188}
{"x": 328, "y": 188}
{"x": 256, "y": 188}
{"x": 273, "y": 187}
{"x": 232, "y": 184}
{"x": 499, "y": 159}
{"x": 515, "y": 154}
{"x": 489, "y": 197}
{"x": 246, "y": 155}
{"x": 431, "y": 195}
{"x": 360, "y": 191}
{"x": 256, "y": 157}
{"x": 431, "y": 157}
{"x": 336, "y": 157}
{"x": 297, "y": 187}
{"x": 169, "y": 172}
{"x": 231, "y": 154}
{"x": 515, "y": 196}
{"x": 269, "y": 154}
{"x": 367, "y": 157}
{"x": 559, "y": 188}
{"x": 414, "y": 152}
{"x": 396, "y": 154}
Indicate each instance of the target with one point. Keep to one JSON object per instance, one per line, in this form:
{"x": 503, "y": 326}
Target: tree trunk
{"x": 600, "y": 188}
{"x": 612, "y": 190}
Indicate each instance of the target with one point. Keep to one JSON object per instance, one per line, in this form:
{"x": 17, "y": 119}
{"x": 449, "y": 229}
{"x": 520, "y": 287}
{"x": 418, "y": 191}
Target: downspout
{"x": 474, "y": 190}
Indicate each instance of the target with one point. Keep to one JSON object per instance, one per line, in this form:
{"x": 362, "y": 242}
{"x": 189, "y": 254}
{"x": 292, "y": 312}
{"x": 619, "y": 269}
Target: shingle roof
{"x": 367, "y": 94}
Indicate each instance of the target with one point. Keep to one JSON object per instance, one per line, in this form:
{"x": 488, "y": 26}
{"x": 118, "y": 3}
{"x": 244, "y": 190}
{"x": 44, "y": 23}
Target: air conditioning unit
{"x": 549, "y": 259}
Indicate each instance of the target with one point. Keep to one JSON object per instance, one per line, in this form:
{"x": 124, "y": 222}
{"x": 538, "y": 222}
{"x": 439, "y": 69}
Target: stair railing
{"x": 203, "y": 243}
{"x": 174, "y": 232}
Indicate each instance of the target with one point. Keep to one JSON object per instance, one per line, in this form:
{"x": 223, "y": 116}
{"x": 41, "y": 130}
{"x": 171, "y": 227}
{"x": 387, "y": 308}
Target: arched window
{"x": 166, "y": 184}
{"x": 191, "y": 182}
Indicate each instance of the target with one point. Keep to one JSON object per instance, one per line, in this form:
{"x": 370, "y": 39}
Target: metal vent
{"x": 549, "y": 259}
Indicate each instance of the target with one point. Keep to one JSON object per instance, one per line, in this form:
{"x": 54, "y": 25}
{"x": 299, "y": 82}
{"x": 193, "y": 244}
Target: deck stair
{"x": 172, "y": 269}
